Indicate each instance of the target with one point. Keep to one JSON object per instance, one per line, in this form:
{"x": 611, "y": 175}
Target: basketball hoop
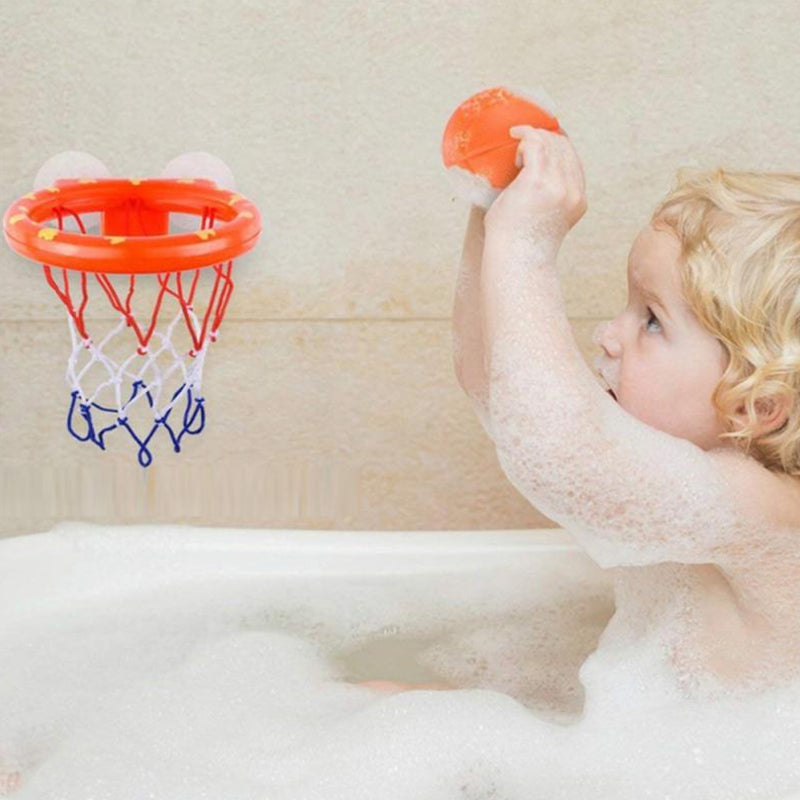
{"x": 127, "y": 372}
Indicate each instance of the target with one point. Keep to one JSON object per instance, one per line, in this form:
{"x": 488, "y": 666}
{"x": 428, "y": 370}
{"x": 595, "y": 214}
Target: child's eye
{"x": 652, "y": 316}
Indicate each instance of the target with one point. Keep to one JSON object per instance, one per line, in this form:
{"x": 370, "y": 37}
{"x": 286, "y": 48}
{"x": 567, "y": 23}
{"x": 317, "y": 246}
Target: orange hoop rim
{"x": 234, "y": 225}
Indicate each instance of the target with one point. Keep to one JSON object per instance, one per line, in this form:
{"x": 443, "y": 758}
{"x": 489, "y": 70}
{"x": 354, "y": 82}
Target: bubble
{"x": 473, "y": 188}
{"x": 239, "y": 681}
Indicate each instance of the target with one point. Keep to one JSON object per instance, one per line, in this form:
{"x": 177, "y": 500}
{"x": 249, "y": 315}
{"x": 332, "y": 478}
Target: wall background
{"x": 331, "y": 394}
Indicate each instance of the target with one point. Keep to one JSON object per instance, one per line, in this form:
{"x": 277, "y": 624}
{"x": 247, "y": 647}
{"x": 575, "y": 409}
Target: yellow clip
{"x": 246, "y": 214}
{"x": 30, "y": 196}
{"x": 16, "y": 218}
{"x": 48, "y": 233}
{"x": 115, "y": 239}
{"x": 206, "y": 233}
{"x": 185, "y": 180}
{"x": 234, "y": 198}
{"x": 135, "y": 181}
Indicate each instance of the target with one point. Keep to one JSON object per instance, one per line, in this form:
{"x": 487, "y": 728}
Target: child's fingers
{"x": 537, "y": 146}
{"x": 569, "y": 157}
{"x": 530, "y": 152}
{"x": 525, "y": 133}
{"x": 542, "y": 149}
{"x": 519, "y": 132}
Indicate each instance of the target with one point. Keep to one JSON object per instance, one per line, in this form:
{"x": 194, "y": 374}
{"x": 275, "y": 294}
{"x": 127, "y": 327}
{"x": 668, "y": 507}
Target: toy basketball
{"x": 477, "y": 148}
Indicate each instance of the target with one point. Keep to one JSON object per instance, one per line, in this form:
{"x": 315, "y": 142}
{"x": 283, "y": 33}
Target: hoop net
{"x": 138, "y": 377}
{"x": 167, "y": 292}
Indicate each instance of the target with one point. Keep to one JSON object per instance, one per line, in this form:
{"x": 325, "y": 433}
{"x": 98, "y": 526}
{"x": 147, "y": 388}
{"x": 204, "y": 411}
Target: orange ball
{"x": 476, "y": 137}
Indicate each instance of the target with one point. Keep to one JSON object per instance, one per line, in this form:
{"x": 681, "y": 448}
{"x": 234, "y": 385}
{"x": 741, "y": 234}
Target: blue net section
{"x": 84, "y": 420}
{"x": 156, "y": 388}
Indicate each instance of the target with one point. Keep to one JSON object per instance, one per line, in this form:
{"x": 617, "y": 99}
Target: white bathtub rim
{"x": 78, "y": 563}
{"x": 193, "y": 538}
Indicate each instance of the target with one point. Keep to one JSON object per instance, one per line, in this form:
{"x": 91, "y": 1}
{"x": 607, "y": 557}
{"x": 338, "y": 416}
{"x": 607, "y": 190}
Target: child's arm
{"x": 468, "y": 353}
{"x": 631, "y": 494}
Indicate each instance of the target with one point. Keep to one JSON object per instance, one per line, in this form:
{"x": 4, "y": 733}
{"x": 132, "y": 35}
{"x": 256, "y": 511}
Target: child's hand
{"x": 548, "y": 196}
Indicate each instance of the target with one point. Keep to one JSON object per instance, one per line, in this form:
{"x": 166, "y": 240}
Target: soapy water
{"x": 114, "y": 695}
{"x": 471, "y": 187}
{"x": 211, "y": 690}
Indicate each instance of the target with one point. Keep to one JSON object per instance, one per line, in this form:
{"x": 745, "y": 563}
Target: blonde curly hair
{"x": 740, "y": 274}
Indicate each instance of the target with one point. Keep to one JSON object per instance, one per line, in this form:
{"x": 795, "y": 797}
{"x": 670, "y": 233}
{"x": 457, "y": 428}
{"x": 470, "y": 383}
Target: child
{"x": 684, "y": 476}
{"x": 676, "y": 464}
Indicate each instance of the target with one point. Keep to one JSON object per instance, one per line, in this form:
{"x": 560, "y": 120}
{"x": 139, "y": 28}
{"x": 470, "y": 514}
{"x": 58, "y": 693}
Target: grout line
{"x": 234, "y": 320}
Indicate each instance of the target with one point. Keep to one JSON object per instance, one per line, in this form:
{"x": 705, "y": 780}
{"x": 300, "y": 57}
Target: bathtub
{"x": 374, "y": 600}
{"x": 86, "y": 608}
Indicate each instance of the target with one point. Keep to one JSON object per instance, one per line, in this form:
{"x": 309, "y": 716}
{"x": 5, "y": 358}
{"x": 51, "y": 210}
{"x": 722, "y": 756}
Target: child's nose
{"x": 605, "y": 337}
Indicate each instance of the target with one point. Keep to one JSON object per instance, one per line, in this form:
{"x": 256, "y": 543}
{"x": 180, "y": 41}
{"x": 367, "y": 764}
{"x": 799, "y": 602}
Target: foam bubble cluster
{"x": 246, "y": 687}
{"x": 473, "y": 188}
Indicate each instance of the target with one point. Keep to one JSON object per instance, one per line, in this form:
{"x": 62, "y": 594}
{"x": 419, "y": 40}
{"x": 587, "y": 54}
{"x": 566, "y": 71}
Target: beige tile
{"x": 369, "y": 271}
{"x": 332, "y": 425}
{"x": 339, "y": 146}
{"x": 368, "y": 276}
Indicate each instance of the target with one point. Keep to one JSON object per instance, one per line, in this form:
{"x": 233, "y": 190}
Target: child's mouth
{"x": 605, "y": 383}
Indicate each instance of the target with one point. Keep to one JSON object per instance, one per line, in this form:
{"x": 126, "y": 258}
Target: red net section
{"x": 182, "y": 286}
{"x": 170, "y": 283}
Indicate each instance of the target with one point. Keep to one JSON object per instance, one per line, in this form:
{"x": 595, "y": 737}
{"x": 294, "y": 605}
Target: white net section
{"x": 134, "y": 394}
{"x": 141, "y": 371}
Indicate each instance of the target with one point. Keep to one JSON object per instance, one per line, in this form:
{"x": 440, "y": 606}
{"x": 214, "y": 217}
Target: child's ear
{"x": 772, "y": 412}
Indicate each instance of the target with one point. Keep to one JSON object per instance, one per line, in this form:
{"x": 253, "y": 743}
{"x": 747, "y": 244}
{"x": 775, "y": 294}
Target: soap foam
{"x": 242, "y": 690}
{"x": 473, "y": 188}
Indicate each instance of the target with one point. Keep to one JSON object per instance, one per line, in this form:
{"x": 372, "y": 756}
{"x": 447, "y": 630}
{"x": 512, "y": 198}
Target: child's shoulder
{"x": 766, "y": 496}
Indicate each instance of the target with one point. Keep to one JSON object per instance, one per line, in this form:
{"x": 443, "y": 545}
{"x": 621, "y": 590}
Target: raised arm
{"x": 469, "y": 358}
{"x": 629, "y": 493}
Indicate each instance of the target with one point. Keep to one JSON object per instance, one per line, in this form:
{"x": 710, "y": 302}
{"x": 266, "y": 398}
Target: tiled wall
{"x": 331, "y": 397}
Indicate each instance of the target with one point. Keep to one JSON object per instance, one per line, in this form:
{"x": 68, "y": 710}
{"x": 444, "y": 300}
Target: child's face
{"x": 661, "y": 363}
